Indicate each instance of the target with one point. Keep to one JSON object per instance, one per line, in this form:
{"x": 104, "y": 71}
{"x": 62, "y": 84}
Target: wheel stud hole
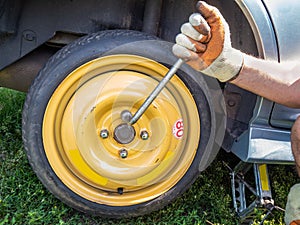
{"x": 120, "y": 190}
{"x": 144, "y": 135}
{"x": 104, "y": 133}
{"x": 123, "y": 153}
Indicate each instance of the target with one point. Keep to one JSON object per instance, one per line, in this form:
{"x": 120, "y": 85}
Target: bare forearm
{"x": 214, "y": 56}
{"x": 277, "y": 82}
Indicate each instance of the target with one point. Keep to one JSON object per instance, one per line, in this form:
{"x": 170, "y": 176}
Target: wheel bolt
{"x": 104, "y": 133}
{"x": 144, "y": 135}
{"x": 123, "y": 153}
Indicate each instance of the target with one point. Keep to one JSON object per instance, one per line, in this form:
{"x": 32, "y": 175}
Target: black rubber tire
{"x": 74, "y": 55}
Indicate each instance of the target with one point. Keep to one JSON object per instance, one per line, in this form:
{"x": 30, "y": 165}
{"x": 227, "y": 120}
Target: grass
{"x": 23, "y": 199}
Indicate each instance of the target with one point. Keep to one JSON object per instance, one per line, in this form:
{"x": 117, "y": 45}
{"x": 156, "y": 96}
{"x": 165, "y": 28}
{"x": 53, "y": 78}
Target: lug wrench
{"x": 163, "y": 82}
{"x": 156, "y": 91}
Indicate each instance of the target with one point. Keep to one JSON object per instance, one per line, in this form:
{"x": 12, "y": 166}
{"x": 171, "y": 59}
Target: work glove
{"x": 204, "y": 42}
{"x": 292, "y": 210}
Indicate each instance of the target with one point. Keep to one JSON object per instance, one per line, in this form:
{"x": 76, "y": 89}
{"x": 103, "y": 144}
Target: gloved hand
{"x": 205, "y": 44}
{"x": 292, "y": 210}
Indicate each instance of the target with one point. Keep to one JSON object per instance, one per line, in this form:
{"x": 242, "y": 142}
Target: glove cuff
{"x": 227, "y": 66}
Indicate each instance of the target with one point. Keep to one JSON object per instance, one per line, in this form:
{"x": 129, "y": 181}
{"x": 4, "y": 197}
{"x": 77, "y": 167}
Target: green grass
{"x": 23, "y": 199}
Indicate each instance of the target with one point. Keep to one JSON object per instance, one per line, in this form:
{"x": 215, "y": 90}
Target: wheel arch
{"x": 252, "y": 32}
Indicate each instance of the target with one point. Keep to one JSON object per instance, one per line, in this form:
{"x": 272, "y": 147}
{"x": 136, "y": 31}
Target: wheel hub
{"x": 124, "y": 133}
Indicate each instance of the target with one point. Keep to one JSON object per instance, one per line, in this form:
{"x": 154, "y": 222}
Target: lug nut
{"x": 123, "y": 153}
{"x": 104, "y": 133}
{"x": 144, "y": 135}
{"x": 126, "y": 116}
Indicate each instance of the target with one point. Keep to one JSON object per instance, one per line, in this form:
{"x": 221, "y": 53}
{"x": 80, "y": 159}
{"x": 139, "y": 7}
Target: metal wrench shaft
{"x": 156, "y": 91}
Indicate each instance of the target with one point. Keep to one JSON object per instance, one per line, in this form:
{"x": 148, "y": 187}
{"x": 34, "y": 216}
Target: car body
{"x": 268, "y": 138}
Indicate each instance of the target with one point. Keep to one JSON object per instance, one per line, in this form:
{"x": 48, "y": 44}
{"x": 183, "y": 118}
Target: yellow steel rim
{"x": 91, "y": 99}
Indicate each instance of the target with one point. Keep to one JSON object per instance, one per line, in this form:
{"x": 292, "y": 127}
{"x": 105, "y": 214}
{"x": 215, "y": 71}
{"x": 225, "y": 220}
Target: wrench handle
{"x": 156, "y": 91}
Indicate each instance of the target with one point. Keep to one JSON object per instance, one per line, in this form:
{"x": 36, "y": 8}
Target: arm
{"x": 205, "y": 44}
{"x": 274, "y": 81}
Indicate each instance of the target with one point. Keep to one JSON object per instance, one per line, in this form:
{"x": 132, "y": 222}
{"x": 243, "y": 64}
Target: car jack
{"x": 259, "y": 197}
